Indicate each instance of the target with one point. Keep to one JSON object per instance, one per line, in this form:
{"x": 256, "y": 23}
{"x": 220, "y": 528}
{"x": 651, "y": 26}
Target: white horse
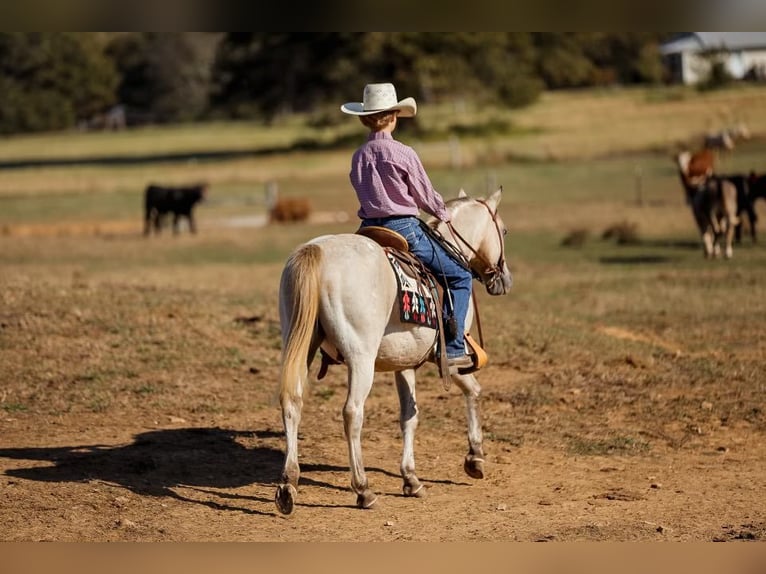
{"x": 338, "y": 292}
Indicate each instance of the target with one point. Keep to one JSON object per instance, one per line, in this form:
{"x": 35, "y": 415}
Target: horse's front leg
{"x": 474, "y": 460}
{"x": 360, "y": 377}
{"x": 408, "y": 421}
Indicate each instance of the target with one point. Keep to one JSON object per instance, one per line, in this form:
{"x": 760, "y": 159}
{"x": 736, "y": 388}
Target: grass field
{"x": 84, "y": 221}
{"x": 601, "y": 350}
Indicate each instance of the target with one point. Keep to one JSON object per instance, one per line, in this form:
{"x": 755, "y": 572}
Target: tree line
{"x": 54, "y": 81}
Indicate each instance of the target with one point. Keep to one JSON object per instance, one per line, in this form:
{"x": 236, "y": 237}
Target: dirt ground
{"x": 131, "y": 415}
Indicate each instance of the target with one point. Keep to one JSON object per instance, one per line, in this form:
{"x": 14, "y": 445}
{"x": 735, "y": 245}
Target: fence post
{"x": 272, "y": 191}
{"x": 639, "y": 186}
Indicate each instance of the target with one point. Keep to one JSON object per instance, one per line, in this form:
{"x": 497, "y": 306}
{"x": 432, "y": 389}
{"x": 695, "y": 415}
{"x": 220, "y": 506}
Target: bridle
{"x": 492, "y": 272}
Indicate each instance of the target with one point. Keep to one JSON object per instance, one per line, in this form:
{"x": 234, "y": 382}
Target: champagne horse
{"x": 339, "y": 292}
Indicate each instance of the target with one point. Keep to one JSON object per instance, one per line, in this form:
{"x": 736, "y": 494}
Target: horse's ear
{"x": 494, "y": 199}
{"x": 462, "y": 193}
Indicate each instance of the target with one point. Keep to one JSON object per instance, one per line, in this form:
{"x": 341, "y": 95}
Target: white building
{"x": 743, "y": 54}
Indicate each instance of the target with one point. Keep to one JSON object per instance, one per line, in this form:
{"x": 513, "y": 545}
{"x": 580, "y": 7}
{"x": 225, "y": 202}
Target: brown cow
{"x": 714, "y": 205}
{"x": 289, "y": 209}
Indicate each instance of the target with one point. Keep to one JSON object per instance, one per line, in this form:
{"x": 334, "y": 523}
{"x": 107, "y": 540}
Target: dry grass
{"x": 562, "y": 126}
{"x": 610, "y": 357}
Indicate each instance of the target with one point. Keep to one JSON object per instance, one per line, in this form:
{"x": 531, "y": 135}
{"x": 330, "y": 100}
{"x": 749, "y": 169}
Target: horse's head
{"x": 477, "y": 230}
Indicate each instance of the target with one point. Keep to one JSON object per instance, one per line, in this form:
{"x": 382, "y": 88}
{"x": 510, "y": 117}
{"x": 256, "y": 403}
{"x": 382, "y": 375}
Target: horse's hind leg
{"x": 292, "y": 407}
{"x": 360, "y": 377}
{"x": 288, "y": 490}
{"x": 474, "y": 460}
{"x": 408, "y": 420}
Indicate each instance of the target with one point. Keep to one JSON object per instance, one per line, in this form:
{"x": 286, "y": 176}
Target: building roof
{"x": 696, "y": 41}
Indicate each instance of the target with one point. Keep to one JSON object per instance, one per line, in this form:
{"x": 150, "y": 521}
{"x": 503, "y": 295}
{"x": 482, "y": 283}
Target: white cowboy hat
{"x": 380, "y": 98}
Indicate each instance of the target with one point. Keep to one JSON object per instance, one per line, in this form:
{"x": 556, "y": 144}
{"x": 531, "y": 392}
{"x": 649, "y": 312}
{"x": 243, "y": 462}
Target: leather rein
{"x": 491, "y": 271}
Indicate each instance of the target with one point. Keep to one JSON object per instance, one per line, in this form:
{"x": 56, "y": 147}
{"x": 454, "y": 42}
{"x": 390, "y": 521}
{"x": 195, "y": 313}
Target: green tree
{"x": 562, "y": 61}
{"x": 165, "y": 76}
{"x": 49, "y": 81}
{"x": 261, "y": 74}
{"x": 265, "y": 74}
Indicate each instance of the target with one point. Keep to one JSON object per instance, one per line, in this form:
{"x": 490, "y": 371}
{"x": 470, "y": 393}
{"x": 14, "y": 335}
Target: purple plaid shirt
{"x": 389, "y": 179}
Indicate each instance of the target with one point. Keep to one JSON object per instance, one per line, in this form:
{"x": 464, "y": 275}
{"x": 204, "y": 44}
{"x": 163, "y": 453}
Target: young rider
{"x": 392, "y": 187}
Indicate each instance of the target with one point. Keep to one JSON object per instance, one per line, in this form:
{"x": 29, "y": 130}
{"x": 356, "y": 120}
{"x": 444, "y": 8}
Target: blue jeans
{"x": 459, "y": 280}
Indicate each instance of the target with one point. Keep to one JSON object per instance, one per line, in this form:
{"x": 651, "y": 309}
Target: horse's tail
{"x": 300, "y": 282}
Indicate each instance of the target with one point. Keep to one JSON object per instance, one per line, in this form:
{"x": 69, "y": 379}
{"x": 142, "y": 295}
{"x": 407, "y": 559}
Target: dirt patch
{"x": 621, "y": 333}
{"x": 139, "y": 404}
{"x": 69, "y": 229}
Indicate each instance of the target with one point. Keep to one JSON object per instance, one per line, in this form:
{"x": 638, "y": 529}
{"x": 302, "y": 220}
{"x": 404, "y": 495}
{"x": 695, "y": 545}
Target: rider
{"x": 392, "y": 186}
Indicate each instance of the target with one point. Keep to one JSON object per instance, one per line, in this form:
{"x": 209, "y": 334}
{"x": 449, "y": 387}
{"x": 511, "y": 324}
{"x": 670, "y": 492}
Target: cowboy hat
{"x": 380, "y": 98}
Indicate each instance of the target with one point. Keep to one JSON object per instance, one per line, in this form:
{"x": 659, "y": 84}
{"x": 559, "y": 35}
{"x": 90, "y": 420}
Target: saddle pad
{"x": 416, "y": 301}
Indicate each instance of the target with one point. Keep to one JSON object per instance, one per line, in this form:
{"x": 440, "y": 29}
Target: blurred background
{"x": 54, "y": 81}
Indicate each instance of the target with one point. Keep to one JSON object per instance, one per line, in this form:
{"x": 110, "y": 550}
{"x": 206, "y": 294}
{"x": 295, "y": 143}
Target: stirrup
{"x": 477, "y": 354}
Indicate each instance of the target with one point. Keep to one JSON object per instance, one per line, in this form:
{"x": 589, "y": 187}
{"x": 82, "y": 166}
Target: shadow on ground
{"x": 156, "y": 462}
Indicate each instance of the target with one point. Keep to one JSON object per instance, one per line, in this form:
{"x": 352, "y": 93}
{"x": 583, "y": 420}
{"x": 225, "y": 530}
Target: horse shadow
{"x": 158, "y": 462}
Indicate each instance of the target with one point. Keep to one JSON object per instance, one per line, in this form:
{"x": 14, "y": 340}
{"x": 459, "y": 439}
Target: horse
{"x": 714, "y": 205}
{"x": 338, "y": 293}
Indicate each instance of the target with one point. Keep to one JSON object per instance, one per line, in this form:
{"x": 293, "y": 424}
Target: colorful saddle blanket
{"x": 417, "y": 294}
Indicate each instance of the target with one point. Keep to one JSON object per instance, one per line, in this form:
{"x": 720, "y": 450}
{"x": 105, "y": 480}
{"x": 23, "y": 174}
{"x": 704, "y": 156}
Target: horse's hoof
{"x": 366, "y": 500}
{"x": 415, "y": 490}
{"x": 285, "y": 498}
{"x": 474, "y": 467}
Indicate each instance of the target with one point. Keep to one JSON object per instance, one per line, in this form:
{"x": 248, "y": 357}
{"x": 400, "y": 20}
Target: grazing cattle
{"x": 289, "y": 209}
{"x": 697, "y": 168}
{"x": 757, "y": 189}
{"x": 725, "y": 139}
{"x": 714, "y": 205}
{"x": 180, "y": 201}
{"x": 757, "y": 186}
{"x": 701, "y": 164}
{"x": 744, "y": 205}
{"x": 721, "y": 140}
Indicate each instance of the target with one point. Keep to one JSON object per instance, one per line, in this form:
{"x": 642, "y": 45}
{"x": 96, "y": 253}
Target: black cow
{"x": 744, "y": 205}
{"x": 757, "y": 190}
{"x": 180, "y": 201}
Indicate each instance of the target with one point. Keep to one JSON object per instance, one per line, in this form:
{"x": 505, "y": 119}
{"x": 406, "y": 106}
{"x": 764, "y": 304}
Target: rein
{"x": 492, "y": 271}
